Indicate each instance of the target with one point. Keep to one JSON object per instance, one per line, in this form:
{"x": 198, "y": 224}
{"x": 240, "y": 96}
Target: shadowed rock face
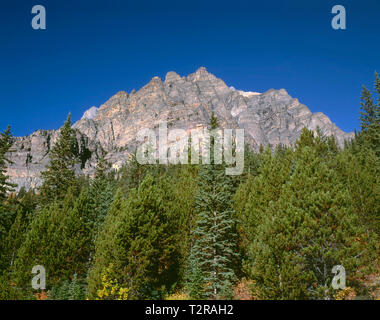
{"x": 272, "y": 117}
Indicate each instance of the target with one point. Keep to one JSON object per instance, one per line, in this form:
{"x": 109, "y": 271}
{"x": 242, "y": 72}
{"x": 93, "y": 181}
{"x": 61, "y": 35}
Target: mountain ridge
{"x": 185, "y": 102}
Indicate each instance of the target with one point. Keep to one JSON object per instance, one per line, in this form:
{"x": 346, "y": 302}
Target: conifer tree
{"x": 254, "y": 196}
{"x": 7, "y": 212}
{"x": 212, "y": 254}
{"x": 359, "y": 170}
{"x": 17, "y": 232}
{"x": 60, "y": 238}
{"x": 59, "y": 175}
{"x": 132, "y": 173}
{"x": 44, "y": 233}
{"x": 307, "y": 231}
{"x": 370, "y": 117}
{"x": 105, "y": 245}
{"x": 140, "y": 239}
{"x": 368, "y": 113}
{"x": 102, "y": 192}
{"x": 6, "y": 142}
{"x": 184, "y": 188}
{"x": 78, "y": 233}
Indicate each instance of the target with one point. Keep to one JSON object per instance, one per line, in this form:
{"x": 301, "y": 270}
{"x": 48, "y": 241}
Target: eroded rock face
{"x": 272, "y": 117}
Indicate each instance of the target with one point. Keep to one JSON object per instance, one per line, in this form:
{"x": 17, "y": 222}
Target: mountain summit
{"x": 185, "y": 102}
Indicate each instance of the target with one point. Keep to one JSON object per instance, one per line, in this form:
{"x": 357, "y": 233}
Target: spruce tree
{"x": 368, "y": 113}
{"x": 213, "y": 252}
{"x": 105, "y": 244}
{"x": 370, "y": 117}
{"x": 78, "y": 233}
{"x": 102, "y": 191}
{"x": 7, "y": 211}
{"x": 6, "y": 142}
{"x": 59, "y": 175}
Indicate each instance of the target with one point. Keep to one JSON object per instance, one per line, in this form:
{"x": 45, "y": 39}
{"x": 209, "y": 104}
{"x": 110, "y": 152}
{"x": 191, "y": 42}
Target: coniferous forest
{"x": 193, "y": 232}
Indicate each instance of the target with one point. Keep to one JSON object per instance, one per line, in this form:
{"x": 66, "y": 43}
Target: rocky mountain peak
{"x": 271, "y": 117}
{"x": 201, "y": 75}
{"x": 172, "y": 76}
{"x": 90, "y": 113}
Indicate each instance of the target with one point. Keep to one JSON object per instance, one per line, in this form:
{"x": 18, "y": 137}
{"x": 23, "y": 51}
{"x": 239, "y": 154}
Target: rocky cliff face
{"x": 272, "y": 117}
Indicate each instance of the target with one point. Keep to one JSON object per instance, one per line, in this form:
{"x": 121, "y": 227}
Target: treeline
{"x": 191, "y": 231}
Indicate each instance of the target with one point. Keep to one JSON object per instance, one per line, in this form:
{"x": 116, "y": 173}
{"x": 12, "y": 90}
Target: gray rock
{"x": 271, "y": 117}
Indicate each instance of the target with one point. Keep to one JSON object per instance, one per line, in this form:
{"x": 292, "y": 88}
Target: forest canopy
{"x": 193, "y": 232}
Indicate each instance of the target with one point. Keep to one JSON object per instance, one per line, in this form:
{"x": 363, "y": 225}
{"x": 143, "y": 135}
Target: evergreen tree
{"x": 359, "y": 170}
{"x": 25, "y": 210}
{"x": 212, "y": 255}
{"x": 60, "y": 172}
{"x": 7, "y": 210}
{"x": 132, "y": 173}
{"x": 105, "y": 244}
{"x": 6, "y": 142}
{"x": 307, "y": 231}
{"x": 184, "y": 188}
{"x": 254, "y": 196}
{"x": 370, "y": 117}
{"x": 368, "y": 113}
{"x": 68, "y": 290}
{"x": 78, "y": 233}
{"x": 140, "y": 239}
{"x": 42, "y": 245}
{"x": 102, "y": 192}
{"x": 60, "y": 239}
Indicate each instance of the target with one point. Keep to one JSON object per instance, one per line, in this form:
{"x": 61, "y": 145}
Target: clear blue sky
{"x": 93, "y": 49}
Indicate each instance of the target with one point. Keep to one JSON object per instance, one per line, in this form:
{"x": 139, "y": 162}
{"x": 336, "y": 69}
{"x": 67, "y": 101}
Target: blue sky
{"x": 93, "y": 49}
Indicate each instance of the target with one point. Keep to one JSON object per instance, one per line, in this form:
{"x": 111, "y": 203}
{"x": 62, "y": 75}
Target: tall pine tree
{"x": 308, "y": 230}
{"x": 212, "y": 255}
{"x": 139, "y": 239}
{"x": 370, "y": 117}
{"x": 59, "y": 175}
{"x": 6, "y": 142}
{"x": 7, "y": 214}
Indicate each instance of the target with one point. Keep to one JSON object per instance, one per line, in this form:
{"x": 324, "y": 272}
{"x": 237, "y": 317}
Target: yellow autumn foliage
{"x": 178, "y": 296}
{"x": 345, "y": 294}
{"x": 111, "y": 289}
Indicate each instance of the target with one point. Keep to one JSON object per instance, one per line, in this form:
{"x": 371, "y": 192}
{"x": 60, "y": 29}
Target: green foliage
{"x": 139, "y": 237}
{"x": 307, "y": 230}
{"x": 7, "y": 212}
{"x": 155, "y": 231}
{"x": 60, "y": 172}
{"x": 17, "y": 232}
{"x": 370, "y": 117}
{"x": 68, "y": 290}
{"x": 68, "y": 233}
{"x": 194, "y": 278}
{"x": 211, "y": 273}
{"x": 6, "y": 142}
{"x": 101, "y": 191}
{"x": 360, "y": 174}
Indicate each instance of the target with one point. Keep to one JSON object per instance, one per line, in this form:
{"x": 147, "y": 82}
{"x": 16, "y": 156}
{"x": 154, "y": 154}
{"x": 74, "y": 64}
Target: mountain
{"x": 271, "y": 117}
